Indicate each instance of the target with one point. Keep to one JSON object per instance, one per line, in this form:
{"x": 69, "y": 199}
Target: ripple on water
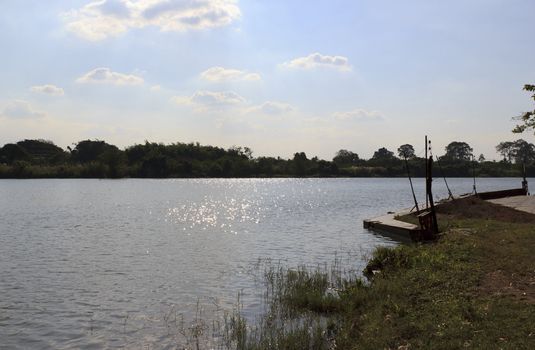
{"x": 94, "y": 264}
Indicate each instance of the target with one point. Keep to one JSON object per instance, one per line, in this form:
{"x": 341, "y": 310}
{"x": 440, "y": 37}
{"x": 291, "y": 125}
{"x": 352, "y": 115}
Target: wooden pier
{"x": 428, "y": 224}
{"x": 388, "y": 225}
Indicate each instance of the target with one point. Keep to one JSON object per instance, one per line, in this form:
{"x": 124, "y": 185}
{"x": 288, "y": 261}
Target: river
{"x": 97, "y": 264}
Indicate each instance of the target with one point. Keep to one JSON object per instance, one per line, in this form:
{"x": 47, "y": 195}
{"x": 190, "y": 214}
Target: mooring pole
{"x": 474, "y": 173}
{"x": 524, "y": 181}
{"x": 430, "y": 193}
{"x": 412, "y": 188}
{"x": 426, "y": 175}
{"x": 450, "y": 195}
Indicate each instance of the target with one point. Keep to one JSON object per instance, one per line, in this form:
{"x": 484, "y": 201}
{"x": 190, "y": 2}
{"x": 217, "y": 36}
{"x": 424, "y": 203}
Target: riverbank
{"x": 23, "y": 170}
{"x": 473, "y": 288}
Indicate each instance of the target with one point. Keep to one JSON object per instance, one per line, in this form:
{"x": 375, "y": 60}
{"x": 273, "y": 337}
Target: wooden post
{"x": 429, "y": 182}
{"x": 412, "y": 188}
{"x": 474, "y": 174}
{"x": 450, "y": 195}
{"x": 426, "y": 175}
{"x": 524, "y": 181}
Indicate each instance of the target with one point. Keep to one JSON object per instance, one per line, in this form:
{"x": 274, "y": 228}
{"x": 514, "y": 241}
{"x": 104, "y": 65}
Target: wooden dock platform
{"x": 388, "y": 225}
{"x": 400, "y": 230}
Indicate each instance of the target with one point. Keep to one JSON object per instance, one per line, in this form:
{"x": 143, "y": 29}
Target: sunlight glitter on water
{"x": 91, "y": 263}
{"x": 210, "y": 213}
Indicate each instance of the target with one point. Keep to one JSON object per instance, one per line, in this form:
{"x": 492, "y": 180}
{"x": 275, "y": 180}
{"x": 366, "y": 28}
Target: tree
{"x": 300, "y": 161}
{"x": 459, "y": 151}
{"x": 524, "y": 152}
{"x": 88, "y": 151}
{"x": 245, "y": 152}
{"x": 115, "y": 159}
{"x": 43, "y": 151}
{"x": 406, "y": 151}
{"x": 519, "y": 151}
{"x": 11, "y": 153}
{"x": 345, "y": 157}
{"x": 383, "y": 154}
{"x": 506, "y": 149}
{"x": 326, "y": 168}
{"x": 527, "y": 118}
{"x": 481, "y": 158}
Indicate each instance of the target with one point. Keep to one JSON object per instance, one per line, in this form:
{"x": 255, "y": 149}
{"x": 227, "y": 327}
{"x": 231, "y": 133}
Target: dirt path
{"x": 523, "y": 203}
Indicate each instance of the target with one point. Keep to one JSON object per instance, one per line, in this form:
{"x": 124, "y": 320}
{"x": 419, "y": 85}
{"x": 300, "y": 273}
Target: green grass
{"x": 473, "y": 288}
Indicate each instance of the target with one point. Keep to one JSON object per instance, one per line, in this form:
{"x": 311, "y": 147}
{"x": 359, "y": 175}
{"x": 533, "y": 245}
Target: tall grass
{"x": 302, "y": 308}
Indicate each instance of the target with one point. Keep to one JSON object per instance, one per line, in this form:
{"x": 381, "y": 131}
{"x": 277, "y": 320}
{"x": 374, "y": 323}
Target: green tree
{"x": 43, "y": 151}
{"x": 345, "y": 157}
{"x": 155, "y": 165}
{"x": 459, "y": 151}
{"x": 11, "y": 153}
{"x": 527, "y": 119}
{"x": 524, "y": 152}
{"x": 383, "y": 154}
{"x": 115, "y": 159}
{"x": 506, "y": 149}
{"x": 519, "y": 151}
{"x": 238, "y": 151}
{"x": 326, "y": 168}
{"x": 88, "y": 150}
{"x": 265, "y": 166}
{"x": 406, "y": 151}
{"x": 300, "y": 162}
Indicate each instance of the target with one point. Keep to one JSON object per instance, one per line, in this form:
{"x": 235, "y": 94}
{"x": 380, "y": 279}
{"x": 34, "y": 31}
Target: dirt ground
{"x": 503, "y": 279}
{"x": 503, "y": 283}
{"x": 475, "y": 208}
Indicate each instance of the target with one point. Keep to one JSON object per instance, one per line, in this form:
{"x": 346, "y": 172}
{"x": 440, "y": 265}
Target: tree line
{"x": 99, "y": 159}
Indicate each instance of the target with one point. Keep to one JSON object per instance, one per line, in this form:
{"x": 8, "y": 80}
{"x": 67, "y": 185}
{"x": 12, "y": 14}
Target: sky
{"x": 278, "y": 76}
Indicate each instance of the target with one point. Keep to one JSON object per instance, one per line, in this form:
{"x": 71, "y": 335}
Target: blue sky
{"x": 277, "y": 76}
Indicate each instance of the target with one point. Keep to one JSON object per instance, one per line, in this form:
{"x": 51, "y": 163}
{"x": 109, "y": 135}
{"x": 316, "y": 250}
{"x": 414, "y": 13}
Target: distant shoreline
{"x": 98, "y": 159}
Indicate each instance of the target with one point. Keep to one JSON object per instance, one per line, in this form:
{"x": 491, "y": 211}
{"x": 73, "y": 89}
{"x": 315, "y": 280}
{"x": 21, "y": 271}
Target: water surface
{"x": 106, "y": 263}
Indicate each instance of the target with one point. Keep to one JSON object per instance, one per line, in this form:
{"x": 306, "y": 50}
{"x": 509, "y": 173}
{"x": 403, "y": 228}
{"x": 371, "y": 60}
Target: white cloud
{"x": 317, "y": 60}
{"x": 107, "y": 76}
{"x": 358, "y": 115}
{"x": 217, "y": 98}
{"x": 272, "y": 108}
{"x": 220, "y": 100}
{"x": 156, "y": 88}
{"x": 48, "y": 90}
{"x": 216, "y": 74}
{"x": 112, "y": 8}
{"x": 203, "y": 100}
{"x": 182, "y": 100}
{"x": 19, "y": 109}
{"x": 104, "y": 18}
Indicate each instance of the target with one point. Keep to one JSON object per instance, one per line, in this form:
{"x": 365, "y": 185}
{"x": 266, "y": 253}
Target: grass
{"x": 474, "y": 288}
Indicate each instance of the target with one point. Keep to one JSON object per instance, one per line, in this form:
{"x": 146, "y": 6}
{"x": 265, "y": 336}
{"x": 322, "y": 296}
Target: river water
{"x": 97, "y": 264}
